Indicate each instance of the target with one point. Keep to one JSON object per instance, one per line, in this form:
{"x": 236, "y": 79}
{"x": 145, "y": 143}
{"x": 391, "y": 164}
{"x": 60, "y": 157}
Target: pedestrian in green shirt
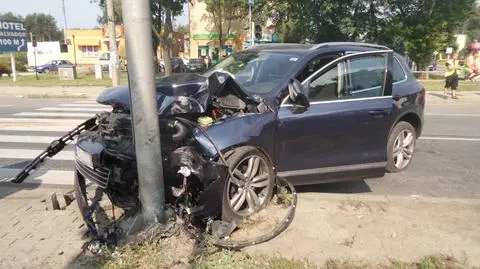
{"x": 451, "y": 75}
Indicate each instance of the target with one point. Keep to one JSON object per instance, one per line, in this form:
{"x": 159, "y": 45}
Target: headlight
{"x": 84, "y": 157}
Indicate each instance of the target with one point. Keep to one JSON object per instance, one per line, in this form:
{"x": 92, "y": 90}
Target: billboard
{"x": 13, "y": 36}
{"x": 46, "y": 51}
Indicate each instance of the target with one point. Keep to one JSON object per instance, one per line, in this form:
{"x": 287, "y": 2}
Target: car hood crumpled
{"x": 198, "y": 89}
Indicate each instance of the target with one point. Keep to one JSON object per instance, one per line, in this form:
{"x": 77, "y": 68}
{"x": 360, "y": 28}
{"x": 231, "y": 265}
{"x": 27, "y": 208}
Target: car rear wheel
{"x": 401, "y": 147}
{"x": 252, "y": 184}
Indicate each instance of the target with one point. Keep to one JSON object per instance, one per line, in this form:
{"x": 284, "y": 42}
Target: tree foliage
{"x": 43, "y": 26}
{"x": 413, "y": 27}
{"x": 117, "y": 9}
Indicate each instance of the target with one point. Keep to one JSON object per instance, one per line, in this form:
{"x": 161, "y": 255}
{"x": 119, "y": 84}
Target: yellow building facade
{"x": 86, "y": 46}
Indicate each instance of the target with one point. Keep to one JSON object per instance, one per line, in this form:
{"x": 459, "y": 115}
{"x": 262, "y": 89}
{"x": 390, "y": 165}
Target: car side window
{"x": 365, "y": 76}
{"x": 325, "y": 87}
{"x": 314, "y": 65}
{"x": 398, "y": 72}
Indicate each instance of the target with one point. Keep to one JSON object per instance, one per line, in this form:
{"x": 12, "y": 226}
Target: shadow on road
{"x": 8, "y": 188}
{"x": 340, "y": 187}
{"x": 436, "y": 95}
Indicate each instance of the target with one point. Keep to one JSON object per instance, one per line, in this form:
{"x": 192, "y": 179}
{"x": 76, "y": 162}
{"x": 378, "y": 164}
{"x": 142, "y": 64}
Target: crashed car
{"x": 308, "y": 113}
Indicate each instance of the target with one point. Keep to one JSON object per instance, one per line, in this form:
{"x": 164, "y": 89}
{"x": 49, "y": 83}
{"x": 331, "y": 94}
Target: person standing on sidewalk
{"x": 451, "y": 75}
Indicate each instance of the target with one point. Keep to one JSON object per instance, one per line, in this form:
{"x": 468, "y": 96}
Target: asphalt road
{"x": 445, "y": 165}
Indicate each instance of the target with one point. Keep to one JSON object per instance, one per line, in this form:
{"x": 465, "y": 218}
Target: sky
{"x": 80, "y": 13}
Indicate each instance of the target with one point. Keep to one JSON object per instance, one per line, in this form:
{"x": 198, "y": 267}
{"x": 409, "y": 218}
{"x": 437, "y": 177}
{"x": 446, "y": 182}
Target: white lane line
{"x": 6, "y": 105}
{"x": 40, "y": 176}
{"x": 52, "y": 128}
{"x": 452, "y": 115}
{"x": 82, "y": 105}
{"x": 40, "y": 120}
{"x": 86, "y": 102}
{"x": 55, "y": 114}
{"x": 450, "y": 138}
{"x": 74, "y": 109}
{"x": 28, "y": 154}
{"x": 26, "y": 139}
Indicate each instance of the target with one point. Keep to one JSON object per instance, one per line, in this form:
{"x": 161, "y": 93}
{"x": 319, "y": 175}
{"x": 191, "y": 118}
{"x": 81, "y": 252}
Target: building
{"x": 204, "y": 37}
{"x": 86, "y": 46}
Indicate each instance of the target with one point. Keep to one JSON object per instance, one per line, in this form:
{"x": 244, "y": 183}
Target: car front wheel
{"x": 252, "y": 184}
{"x": 401, "y": 147}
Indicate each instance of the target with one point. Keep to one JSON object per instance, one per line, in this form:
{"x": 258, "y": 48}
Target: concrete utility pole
{"x": 113, "y": 44}
{"x": 138, "y": 29}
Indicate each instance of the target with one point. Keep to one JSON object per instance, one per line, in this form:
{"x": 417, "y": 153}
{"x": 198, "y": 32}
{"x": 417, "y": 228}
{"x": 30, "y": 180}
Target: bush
{"x": 21, "y": 63}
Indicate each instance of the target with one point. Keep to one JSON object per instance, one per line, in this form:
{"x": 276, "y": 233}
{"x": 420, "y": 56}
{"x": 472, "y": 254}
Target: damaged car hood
{"x": 186, "y": 88}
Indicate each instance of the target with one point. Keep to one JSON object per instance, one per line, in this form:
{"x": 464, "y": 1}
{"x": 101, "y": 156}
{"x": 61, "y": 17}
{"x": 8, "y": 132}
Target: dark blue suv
{"x": 309, "y": 113}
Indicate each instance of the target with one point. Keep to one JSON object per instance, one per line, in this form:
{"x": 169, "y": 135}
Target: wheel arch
{"x": 412, "y": 118}
{"x": 227, "y": 151}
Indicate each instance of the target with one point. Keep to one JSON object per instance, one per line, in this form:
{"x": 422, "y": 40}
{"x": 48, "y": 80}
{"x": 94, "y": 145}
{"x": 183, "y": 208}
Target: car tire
{"x": 401, "y": 147}
{"x": 239, "y": 202}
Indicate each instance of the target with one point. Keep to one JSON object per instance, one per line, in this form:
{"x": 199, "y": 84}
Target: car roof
{"x": 303, "y": 49}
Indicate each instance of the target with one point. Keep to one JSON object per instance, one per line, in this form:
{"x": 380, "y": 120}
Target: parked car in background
{"x": 52, "y": 66}
{"x": 177, "y": 65}
{"x": 104, "y": 62}
{"x": 432, "y": 66}
{"x": 196, "y": 65}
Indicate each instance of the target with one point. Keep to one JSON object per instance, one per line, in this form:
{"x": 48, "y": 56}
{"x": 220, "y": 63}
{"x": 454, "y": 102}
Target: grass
{"x": 437, "y": 85}
{"x": 149, "y": 255}
{"x": 52, "y": 80}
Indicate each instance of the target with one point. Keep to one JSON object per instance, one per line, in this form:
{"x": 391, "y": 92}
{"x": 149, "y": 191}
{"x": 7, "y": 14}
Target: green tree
{"x": 9, "y": 16}
{"x": 184, "y": 29}
{"x": 43, "y": 26}
{"x": 117, "y": 9}
{"x": 223, "y": 13}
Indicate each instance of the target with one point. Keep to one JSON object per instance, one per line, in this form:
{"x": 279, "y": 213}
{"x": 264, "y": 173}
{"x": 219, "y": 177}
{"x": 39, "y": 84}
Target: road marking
{"x": 40, "y": 120}
{"x": 452, "y": 115}
{"x": 87, "y": 102}
{"x": 55, "y": 114}
{"x": 6, "y": 105}
{"x": 54, "y": 177}
{"x": 83, "y": 105}
{"x": 28, "y": 154}
{"x": 74, "y": 109}
{"x": 53, "y": 128}
{"x": 450, "y": 138}
{"x": 26, "y": 139}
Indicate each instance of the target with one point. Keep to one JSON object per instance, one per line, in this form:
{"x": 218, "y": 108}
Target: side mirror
{"x": 297, "y": 93}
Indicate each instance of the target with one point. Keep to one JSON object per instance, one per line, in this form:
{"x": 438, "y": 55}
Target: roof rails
{"x": 321, "y": 45}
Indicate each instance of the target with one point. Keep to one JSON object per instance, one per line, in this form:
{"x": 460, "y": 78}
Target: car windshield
{"x": 258, "y": 73}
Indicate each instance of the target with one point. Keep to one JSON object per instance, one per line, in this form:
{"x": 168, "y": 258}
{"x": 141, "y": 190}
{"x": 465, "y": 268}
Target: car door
{"x": 344, "y": 132}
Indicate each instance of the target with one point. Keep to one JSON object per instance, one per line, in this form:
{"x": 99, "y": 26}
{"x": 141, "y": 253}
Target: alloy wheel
{"x": 248, "y": 189}
{"x": 403, "y": 148}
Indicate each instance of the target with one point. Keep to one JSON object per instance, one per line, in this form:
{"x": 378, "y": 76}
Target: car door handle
{"x": 378, "y": 113}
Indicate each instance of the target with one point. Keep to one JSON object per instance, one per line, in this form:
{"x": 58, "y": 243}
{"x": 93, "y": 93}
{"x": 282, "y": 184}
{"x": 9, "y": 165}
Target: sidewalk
{"x": 362, "y": 227}
{"x": 464, "y": 98}
{"x": 32, "y": 237}
{"x": 376, "y": 228}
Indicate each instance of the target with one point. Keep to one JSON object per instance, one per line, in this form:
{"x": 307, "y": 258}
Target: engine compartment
{"x": 190, "y": 177}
